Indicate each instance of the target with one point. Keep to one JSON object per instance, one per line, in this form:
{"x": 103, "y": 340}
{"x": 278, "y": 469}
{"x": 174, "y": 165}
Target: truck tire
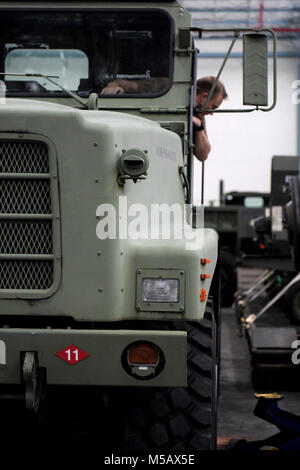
{"x": 180, "y": 418}
{"x": 228, "y": 276}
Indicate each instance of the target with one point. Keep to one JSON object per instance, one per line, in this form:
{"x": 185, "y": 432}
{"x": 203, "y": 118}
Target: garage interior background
{"x": 244, "y": 144}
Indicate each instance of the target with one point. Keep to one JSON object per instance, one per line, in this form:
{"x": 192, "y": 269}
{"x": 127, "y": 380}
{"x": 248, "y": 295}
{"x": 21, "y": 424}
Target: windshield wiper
{"x": 50, "y": 77}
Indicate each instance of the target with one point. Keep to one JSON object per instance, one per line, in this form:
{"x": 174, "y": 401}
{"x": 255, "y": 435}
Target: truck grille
{"x": 28, "y": 275}
{"x": 26, "y": 219}
{"x": 24, "y": 157}
{"x": 25, "y": 196}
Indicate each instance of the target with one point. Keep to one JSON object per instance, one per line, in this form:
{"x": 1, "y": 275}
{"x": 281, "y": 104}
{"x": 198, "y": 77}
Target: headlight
{"x": 160, "y": 290}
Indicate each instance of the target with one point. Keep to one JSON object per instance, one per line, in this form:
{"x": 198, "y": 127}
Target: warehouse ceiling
{"x": 281, "y": 15}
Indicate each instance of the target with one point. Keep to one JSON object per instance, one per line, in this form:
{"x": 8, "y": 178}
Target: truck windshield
{"x": 109, "y": 52}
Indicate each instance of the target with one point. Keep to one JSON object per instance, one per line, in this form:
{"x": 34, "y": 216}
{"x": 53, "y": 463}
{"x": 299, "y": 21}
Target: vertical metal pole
{"x": 261, "y": 15}
{"x": 298, "y": 118}
{"x": 202, "y": 185}
{"x": 221, "y": 192}
{"x": 190, "y": 160}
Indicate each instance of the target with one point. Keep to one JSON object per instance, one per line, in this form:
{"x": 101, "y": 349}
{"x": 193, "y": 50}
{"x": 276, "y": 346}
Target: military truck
{"x": 101, "y": 310}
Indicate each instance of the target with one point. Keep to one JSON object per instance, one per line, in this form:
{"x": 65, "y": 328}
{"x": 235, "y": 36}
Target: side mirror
{"x": 255, "y": 69}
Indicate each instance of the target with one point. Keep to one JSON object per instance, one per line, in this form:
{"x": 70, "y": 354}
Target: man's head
{"x": 204, "y": 86}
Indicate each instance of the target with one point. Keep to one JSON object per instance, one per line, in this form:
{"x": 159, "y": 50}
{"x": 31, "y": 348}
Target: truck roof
{"x": 80, "y": 3}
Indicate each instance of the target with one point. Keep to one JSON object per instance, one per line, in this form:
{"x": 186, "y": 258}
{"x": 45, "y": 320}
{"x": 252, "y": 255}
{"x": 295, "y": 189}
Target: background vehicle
{"x": 269, "y": 308}
{"x": 82, "y": 304}
{"x": 232, "y": 220}
{"x": 250, "y": 228}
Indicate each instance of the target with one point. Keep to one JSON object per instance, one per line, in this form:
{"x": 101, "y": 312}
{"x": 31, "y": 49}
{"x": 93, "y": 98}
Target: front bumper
{"x": 90, "y": 357}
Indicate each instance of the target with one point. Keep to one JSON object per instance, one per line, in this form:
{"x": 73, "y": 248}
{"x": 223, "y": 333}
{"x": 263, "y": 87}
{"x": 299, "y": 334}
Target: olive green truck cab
{"x": 104, "y": 285}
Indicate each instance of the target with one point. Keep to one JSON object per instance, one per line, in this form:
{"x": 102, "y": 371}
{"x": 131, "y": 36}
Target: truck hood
{"x": 30, "y": 107}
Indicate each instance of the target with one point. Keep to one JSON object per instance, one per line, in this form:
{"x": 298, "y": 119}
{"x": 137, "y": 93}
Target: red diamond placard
{"x": 72, "y": 354}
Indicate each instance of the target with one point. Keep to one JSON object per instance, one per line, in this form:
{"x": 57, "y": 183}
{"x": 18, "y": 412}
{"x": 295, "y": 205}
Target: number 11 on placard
{"x": 69, "y": 354}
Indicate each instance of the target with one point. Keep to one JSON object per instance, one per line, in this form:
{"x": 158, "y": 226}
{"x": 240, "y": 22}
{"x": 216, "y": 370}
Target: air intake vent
{"x": 26, "y": 237}
{"x": 23, "y": 274}
{"x": 26, "y": 217}
{"x": 24, "y": 157}
{"x": 30, "y": 196}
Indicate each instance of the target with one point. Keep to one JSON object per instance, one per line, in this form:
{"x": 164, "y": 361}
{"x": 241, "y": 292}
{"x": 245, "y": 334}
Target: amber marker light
{"x": 143, "y": 360}
{"x": 143, "y": 353}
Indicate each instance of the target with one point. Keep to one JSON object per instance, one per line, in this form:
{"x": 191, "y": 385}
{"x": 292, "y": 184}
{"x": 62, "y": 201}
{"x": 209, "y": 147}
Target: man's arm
{"x": 119, "y": 87}
{"x": 201, "y": 143}
{"x": 148, "y": 85}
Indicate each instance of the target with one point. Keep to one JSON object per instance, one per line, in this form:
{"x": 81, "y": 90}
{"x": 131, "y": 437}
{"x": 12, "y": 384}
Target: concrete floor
{"x": 237, "y": 401}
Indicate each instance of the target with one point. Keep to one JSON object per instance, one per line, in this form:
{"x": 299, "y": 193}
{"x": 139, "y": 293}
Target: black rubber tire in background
{"x": 180, "y": 418}
{"x": 228, "y": 275}
{"x": 293, "y": 219}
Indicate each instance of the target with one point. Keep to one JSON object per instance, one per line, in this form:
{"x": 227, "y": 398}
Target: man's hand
{"x": 201, "y": 142}
{"x": 197, "y": 121}
{"x": 112, "y": 89}
{"x": 119, "y": 87}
